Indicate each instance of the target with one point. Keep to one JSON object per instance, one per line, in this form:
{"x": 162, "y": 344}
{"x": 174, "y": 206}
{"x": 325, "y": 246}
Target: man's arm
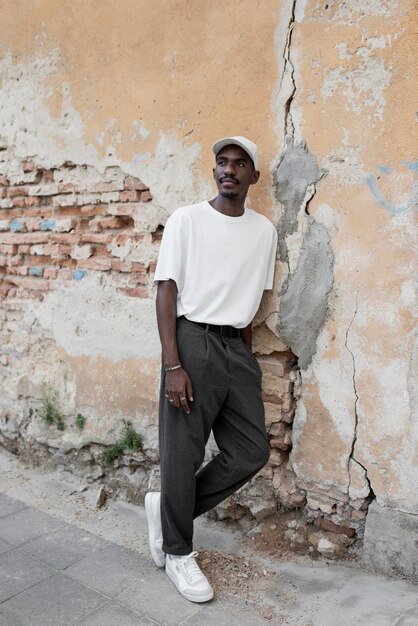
{"x": 178, "y": 386}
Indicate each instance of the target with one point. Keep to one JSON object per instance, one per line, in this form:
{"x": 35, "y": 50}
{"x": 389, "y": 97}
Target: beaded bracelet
{"x": 171, "y": 369}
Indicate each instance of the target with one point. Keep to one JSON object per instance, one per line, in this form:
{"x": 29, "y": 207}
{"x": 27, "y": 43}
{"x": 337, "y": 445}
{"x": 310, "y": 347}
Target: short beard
{"x": 229, "y": 195}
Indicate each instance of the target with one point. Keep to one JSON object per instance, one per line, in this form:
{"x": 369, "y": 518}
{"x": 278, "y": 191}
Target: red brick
{"x": 28, "y": 166}
{"x": 273, "y": 399}
{"x": 52, "y": 249}
{"x": 129, "y": 196}
{"x": 38, "y": 259}
{"x": 102, "y": 264}
{"x": 10, "y": 238}
{"x": 100, "y": 250}
{"x": 112, "y": 222}
{"x": 16, "y": 259}
{"x": 67, "y": 211}
{"x": 38, "y": 284}
{"x": 8, "y": 248}
{"x": 48, "y": 176}
{"x": 4, "y": 182}
{"x": 121, "y": 266}
{"x": 7, "y": 214}
{"x": 65, "y": 188}
{"x": 69, "y": 238}
{"x": 146, "y": 196}
{"x": 24, "y": 248}
{"x": 64, "y": 249}
{"x": 67, "y": 262}
{"x": 96, "y": 238}
{"x": 133, "y": 292}
{"x": 65, "y": 273}
{"x": 12, "y": 192}
{"x": 90, "y": 210}
{"x": 40, "y": 211}
{"x": 94, "y": 226}
{"x": 133, "y": 183}
{"x": 138, "y": 267}
{"x": 19, "y": 201}
{"x": 36, "y": 237}
{"x": 50, "y": 272}
{"x": 122, "y": 238}
{"x": 33, "y": 224}
{"x": 33, "y": 201}
{"x": 20, "y": 270}
{"x": 5, "y": 290}
{"x": 326, "y": 524}
{"x": 152, "y": 266}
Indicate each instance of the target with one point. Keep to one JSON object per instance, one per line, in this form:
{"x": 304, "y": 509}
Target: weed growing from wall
{"x": 80, "y": 420}
{"x": 129, "y": 440}
{"x": 50, "y": 413}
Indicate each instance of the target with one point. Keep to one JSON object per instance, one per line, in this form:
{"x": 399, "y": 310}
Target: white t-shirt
{"x": 221, "y": 264}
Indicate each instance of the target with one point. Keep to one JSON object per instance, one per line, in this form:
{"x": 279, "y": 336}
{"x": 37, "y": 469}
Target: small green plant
{"x": 80, "y": 420}
{"x": 129, "y": 440}
{"x": 50, "y": 412}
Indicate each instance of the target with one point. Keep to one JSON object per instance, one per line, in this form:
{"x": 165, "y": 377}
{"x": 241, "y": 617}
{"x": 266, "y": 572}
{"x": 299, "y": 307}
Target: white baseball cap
{"x": 244, "y": 143}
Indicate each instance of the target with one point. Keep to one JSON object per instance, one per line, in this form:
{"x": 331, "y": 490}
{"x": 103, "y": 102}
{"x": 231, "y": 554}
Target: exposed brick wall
{"x": 56, "y": 225}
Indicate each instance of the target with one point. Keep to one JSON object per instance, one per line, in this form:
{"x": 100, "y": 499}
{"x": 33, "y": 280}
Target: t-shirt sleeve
{"x": 272, "y": 261}
{"x": 171, "y": 259}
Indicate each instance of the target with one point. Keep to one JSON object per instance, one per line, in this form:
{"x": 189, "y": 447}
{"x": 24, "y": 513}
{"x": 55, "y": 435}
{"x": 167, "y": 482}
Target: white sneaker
{"x": 187, "y": 576}
{"x": 155, "y": 533}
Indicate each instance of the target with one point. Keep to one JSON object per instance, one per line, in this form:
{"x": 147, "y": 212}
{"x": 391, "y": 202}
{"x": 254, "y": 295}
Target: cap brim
{"x": 232, "y": 141}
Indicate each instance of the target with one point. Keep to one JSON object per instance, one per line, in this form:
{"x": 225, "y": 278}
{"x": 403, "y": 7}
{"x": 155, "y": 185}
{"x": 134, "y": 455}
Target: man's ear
{"x": 254, "y": 177}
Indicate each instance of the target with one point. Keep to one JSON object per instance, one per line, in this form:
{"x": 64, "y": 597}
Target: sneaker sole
{"x": 202, "y": 598}
{"x": 151, "y": 534}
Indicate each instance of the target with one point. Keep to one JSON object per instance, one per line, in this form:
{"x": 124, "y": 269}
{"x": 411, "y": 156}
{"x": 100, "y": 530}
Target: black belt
{"x": 226, "y": 331}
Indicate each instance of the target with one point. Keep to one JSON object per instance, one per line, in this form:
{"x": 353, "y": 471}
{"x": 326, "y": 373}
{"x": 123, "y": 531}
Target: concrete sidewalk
{"x": 62, "y": 562}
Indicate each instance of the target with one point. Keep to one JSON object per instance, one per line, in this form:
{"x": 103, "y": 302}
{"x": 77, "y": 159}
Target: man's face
{"x": 234, "y": 172}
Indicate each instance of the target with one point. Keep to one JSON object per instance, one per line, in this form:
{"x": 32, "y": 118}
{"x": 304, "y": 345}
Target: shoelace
{"x": 191, "y": 567}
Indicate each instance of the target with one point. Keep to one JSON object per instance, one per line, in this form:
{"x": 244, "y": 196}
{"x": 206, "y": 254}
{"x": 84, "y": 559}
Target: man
{"x": 215, "y": 261}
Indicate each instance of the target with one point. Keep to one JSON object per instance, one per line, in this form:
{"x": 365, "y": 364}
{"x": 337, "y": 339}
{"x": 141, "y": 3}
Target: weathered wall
{"x": 106, "y": 122}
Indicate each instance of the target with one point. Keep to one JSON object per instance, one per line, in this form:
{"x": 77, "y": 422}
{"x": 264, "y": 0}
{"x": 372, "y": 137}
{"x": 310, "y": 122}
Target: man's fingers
{"x": 184, "y": 404}
{"x": 189, "y": 389}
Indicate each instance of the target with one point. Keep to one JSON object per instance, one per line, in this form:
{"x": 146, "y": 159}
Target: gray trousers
{"x": 226, "y": 382}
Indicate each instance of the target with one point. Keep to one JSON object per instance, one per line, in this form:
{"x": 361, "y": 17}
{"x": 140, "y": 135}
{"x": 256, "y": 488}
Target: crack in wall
{"x": 356, "y": 417}
{"x": 289, "y": 128}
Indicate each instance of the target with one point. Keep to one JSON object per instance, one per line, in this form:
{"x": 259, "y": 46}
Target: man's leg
{"x": 183, "y": 436}
{"x": 239, "y": 432}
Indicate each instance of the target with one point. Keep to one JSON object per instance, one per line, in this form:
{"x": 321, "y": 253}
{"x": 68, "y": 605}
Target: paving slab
{"x": 57, "y": 601}
{"x": 114, "y": 614}
{"x": 26, "y": 524}
{"x": 63, "y": 548}
{"x": 9, "y": 505}
{"x": 227, "y": 613}
{"x": 335, "y": 594}
{"x": 155, "y": 596}
{"x": 4, "y": 546}
{"x": 109, "y": 571}
{"x": 18, "y": 572}
{"x": 4, "y": 621}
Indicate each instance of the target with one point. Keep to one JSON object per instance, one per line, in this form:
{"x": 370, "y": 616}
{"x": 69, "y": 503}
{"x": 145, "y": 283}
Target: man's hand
{"x": 178, "y": 389}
